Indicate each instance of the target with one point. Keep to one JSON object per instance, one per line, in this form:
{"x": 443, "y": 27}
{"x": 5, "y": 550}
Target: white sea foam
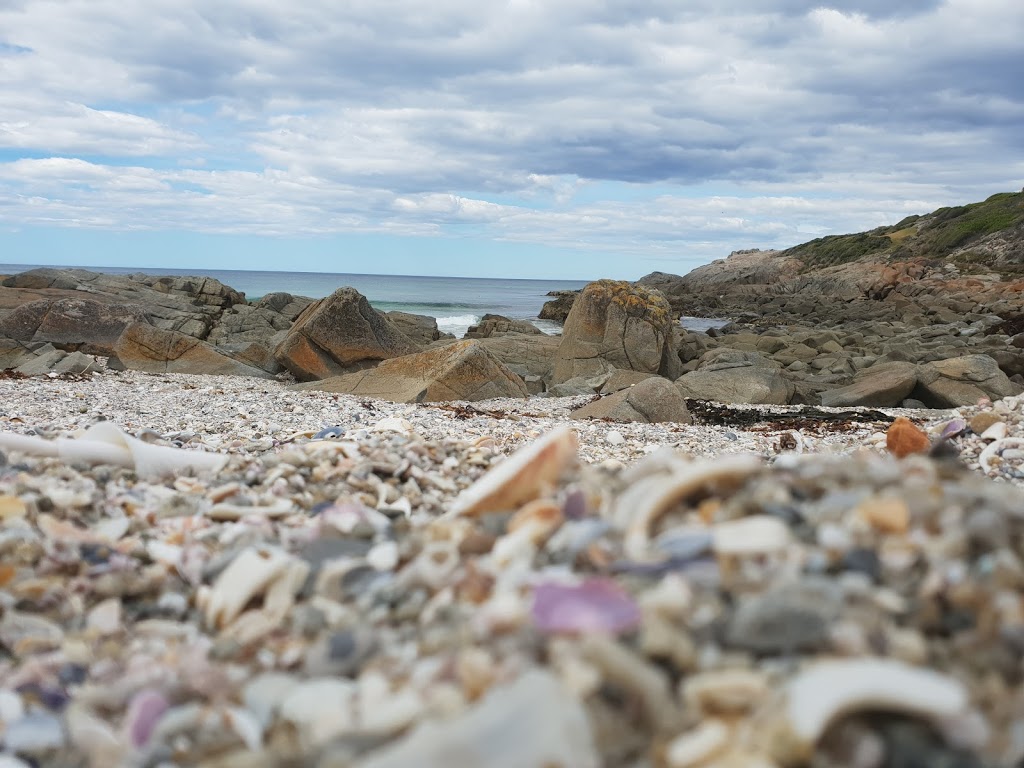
{"x": 457, "y": 324}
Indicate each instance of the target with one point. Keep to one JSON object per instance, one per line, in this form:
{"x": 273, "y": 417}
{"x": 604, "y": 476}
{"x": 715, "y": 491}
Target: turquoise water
{"x": 456, "y": 302}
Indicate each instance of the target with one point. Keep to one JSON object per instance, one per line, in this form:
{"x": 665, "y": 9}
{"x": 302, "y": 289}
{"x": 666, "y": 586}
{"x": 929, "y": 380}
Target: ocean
{"x": 455, "y": 302}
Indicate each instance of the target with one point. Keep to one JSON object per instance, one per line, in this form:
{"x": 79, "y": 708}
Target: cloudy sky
{"x": 514, "y": 138}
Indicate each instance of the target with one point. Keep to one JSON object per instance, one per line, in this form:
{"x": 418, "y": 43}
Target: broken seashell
{"x": 523, "y": 476}
{"x": 643, "y": 503}
{"x": 249, "y": 574}
{"x": 394, "y": 424}
{"x": 227, "y": 511}
{"x": 698, "y": 746}
{"x": 995, "y": 448}
{"x": 104, "y": 443}
{"x": 596, "y": 605}
{"x": 831, "y": 689}
{"x": 995, "y": 432}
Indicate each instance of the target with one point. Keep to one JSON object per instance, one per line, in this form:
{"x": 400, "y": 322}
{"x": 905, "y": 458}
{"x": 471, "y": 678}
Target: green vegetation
{"x": 933, "y": 236}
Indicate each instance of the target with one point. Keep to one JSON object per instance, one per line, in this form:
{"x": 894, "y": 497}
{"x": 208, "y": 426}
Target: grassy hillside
{"x": 986, "y": 236}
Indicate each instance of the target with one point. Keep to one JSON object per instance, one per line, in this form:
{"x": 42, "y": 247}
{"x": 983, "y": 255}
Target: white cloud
{"x": 578, "y": 124}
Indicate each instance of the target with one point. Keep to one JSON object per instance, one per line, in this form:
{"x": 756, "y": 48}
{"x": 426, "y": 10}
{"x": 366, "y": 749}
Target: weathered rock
{"x": 71, "y": 323}
{"x": 620, "y": 380}
{"x": 723, "y": 358}
{"x": 499, "y": 325}
{"x": 617, "y": 325}
{"x": 962, "y": 381}
{"x": 59, "y": 362}
{"x": 146, "y": 348}
{"x": 12, "y": 354}
{"x": 652, "y": 400}
{"x": 421, "y": 329}
{"x": 888, "y": 384}
{"x": 286, "y": 304}
{"x": 244, "y": 323}
{"x": 762, "y": 386}
{"x": 464, "y": 370}
{"x": 558, "y": 308}
{"x": 190, "y": 305}
{"x": 339, "y": 334}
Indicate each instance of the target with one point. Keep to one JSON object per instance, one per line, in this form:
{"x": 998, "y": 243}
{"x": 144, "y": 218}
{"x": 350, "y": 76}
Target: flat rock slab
{"x": 464, "y": 370}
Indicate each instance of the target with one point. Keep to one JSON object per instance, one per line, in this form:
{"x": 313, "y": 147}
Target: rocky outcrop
{"x": 651, "y": 401}
{"x": 464, "y": 370}
{"x": 558, "y": 308}
{"x": 144, "y": 347}
{"x": 191, "y": 305}
{"x": 71, "y": 323}
{"x": 420, "y": 329}
{"x": 340, "y": 334}
{"x": 616, "y": 325}
{"x": 499, "y": 325}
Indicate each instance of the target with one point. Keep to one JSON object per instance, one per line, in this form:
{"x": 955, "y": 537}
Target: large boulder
{"x": 71, "y": 323}
{"x": 340, "y": 334}
{"x": 884, "y": 385}
{"x": 464, "y": 370}
{"x": 617, "y": 325}
{"x": 652, "y": 400}
{"x": 144, "y": 347}
{"x": 962, "y": 381}
{"x": 421, "y": 329}
{"x": 750, "y": 384}
{"x": 499, "y": 325}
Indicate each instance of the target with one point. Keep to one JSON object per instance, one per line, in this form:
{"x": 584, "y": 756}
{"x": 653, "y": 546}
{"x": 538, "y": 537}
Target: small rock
{"x": 904, "y": 438}
{"x": 614, "y": 438}
{"x": 982, "y": 421}
{"x": 35, "y": 733}
{"x": 789, "y": 618}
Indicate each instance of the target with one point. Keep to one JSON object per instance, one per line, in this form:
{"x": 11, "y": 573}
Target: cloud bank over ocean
{"x": 631, "y": 135}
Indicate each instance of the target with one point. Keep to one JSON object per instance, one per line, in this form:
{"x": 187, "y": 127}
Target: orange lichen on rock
{"x": 904, "y": 438}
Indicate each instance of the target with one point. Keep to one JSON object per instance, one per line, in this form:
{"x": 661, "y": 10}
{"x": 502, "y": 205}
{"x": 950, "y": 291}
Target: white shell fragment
{"x": 831, "y": 689}
{"x": 643, "y": 503}
{"x": 995, "y": 448}
{"x": 521, "y": 477}
{"x": 104, "y": 443}
{"x": 255, "y": 571}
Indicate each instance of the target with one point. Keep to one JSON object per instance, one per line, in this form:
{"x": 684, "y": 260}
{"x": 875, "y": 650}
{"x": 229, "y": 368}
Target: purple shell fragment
{"x": 595, "y": 605}
{"x": 953, "y": 428}
{"x": 144, "y": 712}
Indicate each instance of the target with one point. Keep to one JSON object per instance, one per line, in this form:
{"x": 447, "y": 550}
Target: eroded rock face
{"x": 340, "y": 334}
{"x": 144, "y": 347}
{"x": 617, "y": 325}
{"x": 71, "y": 323}
{"x": 464, "y": 370}
{"x": 558, "y": 308}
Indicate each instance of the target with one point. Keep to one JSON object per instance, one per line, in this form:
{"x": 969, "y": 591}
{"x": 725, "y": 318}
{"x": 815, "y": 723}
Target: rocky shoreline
{"x": 305, "y": 533}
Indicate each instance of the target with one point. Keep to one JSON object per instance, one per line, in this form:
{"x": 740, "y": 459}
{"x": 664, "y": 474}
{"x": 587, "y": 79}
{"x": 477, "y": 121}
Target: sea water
{"x": 455, "y": 302}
